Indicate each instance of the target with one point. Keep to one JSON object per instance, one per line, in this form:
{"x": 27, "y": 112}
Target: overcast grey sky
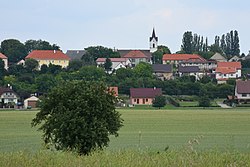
{"x": 76, "y": 24}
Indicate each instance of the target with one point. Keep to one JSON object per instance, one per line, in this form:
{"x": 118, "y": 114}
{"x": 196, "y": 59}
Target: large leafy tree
{"x": 95, "y": 52}
{"x": 159, "y": 101}
{"x": 79, "y": 117}
{"x": 75, "y": 65}
{"x": 187, "y": 43}
{"x": 39, "y": 45}
{"x": 108, "y": 65}
{"x": 161, "y": 50}
{"x": 143, "y": 70}
{"x": 2, "y": 69}
{"x": 14, "y": 50}
{"x": 31, "y": 65}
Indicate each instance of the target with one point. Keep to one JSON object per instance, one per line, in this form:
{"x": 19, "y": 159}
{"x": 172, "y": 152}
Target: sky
{"x": 126, "y": 24}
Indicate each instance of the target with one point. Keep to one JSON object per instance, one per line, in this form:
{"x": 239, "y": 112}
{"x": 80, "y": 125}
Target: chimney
{"x": 154, "y": 88}
{"x": 54, "y": 51}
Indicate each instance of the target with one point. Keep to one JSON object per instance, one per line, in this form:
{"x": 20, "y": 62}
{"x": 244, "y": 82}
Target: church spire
{"x": 153, "y": 36}
{"x": 153, "y": 41}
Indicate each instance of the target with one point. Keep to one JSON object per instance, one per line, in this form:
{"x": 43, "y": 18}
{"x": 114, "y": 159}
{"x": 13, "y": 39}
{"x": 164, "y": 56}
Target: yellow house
{"x": 47, "y": 57}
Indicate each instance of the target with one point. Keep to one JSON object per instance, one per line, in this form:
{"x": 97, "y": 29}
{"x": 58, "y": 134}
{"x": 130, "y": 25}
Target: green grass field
{"x": 147, "y": 129}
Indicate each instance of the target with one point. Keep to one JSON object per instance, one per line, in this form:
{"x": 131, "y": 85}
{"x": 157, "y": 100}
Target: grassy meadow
{"x": 149, "y": 137}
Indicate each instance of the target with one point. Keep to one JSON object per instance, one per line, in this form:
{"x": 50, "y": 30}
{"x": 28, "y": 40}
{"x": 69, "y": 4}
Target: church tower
{"x": 153, "y": 41}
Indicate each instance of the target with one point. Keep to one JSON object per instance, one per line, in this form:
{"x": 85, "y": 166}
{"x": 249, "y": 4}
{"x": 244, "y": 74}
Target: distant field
{"x": 150, "y": 129}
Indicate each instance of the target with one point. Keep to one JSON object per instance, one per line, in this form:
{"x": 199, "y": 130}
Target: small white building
{"x": 227, "y": 70}
{"x": 31, "y": 102}
{"x": 116, "y": 63}
{"x": 8, "y": 96}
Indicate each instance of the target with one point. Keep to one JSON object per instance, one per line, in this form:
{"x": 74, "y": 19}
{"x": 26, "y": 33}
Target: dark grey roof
{"x": 188, "y": 69}
{"x": 162, "y": 68}
{"x": 145, "y": 92}
{"x": 123, "y": 52}
{"x": 5, "y": 90}
{"x": 75, "y": 54}
{"x": 243, "y": 86}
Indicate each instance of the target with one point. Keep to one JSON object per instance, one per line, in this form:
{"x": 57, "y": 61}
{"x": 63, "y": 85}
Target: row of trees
{"x": 227, "y": 45}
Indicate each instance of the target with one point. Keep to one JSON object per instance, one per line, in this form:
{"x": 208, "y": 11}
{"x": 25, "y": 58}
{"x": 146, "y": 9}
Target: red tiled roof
{"x": 236, "y": 65}
{"x": 225, "y": 70}
{"x": 135, "y": 54}
{"x": 115, "y": 89}
{"x": 183, "y": 57}
{"x": 2, "y": 56}
{"x": 112, "y": 59}
{"x": 243, "y": 86}
{"x": 47, "y": 55}
{"x": 145, "y": 92}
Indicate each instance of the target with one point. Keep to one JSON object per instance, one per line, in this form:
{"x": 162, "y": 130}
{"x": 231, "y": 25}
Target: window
{"x": 138, "y": 101}
{"x": 146, "y": 100}
{"x": 134, "y": 100}
{"x": 244, "y": 95}
{"x": 143, "y": 101}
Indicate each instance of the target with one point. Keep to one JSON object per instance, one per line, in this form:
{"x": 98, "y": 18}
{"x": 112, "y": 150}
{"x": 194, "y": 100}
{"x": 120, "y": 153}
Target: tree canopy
{"x": 159, "y": 101}
{"x": 13, "y": 49}
{"x": 78, "y": 116}
{"x": 157, "y": 56}
{"x": 95, "y": 52}
{"x": 39, "y": 45}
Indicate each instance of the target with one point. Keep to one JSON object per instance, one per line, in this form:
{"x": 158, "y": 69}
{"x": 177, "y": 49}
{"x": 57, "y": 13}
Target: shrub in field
{"x": 159, "y": 101}
{"x": 172, "y": 101}
{"x": 78, "y": 116}
{"x": 204, "y": 101}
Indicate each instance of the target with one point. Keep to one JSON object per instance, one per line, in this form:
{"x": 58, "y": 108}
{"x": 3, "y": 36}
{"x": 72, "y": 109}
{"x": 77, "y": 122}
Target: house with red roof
{"x": 136, "y": 56}
{"x": 46, "y": 57}
{"x": 116, "y": 63}
{"x": 190, "y": 60}
{"x": 176, "y": 59}
{"x": 227, "y": 70}
{"x": 144, "y": 96}
{"x": 5, "y": 60}
{"x": 242, "y": 90}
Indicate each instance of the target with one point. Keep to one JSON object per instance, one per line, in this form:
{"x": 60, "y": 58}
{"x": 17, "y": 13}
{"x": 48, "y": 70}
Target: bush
{"x": 159, "y": 101}
{"x": 204, "y": 101}
{"x": 172, "y": 101}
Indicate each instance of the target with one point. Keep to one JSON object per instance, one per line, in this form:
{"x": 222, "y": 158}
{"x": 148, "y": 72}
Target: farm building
{"x": 31, "y": 102}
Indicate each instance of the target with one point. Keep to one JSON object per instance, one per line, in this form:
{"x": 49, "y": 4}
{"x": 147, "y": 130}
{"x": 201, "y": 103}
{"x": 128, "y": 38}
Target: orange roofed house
{"x": 136, "y": 56}
{"x": 5, "y": 60}
{"x": 179, "y": 58}
{"x": 227, "y": 70}
{"x": 46, "y": 57}
{"x": 140, "y": 96}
